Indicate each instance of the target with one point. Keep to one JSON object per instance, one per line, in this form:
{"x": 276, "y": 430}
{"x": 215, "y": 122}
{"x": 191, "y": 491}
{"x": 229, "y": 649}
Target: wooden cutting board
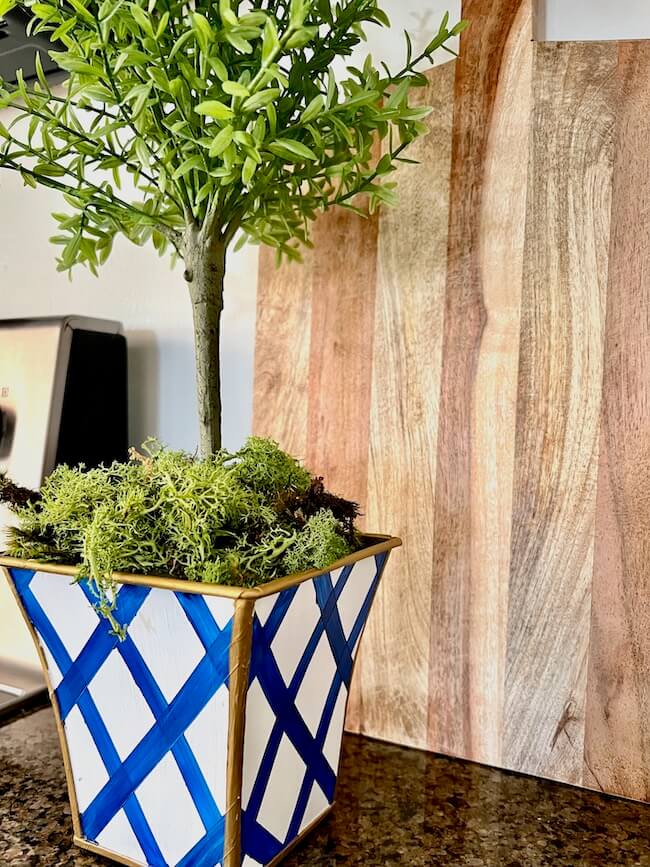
{"x": 473, "y": 366}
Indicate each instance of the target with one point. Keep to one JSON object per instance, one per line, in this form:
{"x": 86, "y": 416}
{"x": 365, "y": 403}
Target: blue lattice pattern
{"x": 304, "y": 643}
{"x": 146, "y": 719}
{"x": 130, "y": 731}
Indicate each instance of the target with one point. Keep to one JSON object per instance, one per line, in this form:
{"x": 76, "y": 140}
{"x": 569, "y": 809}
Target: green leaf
{"x": 28, "y": 179}
{"x": 234, "y": 88}
{"x": 239, "y": 42}
{"x": 297, "y": 13}
{"x": 215, "y": 109}
{"x": 142, "y": 19}
{"x": 315, "y": 107}
{"x": 62, "y": 30}
{"x": 130, "y": 57}
{"x": 40, "y": 73}
{"x": 49, "y": 170}
{"x": 221, "y": 141}
{"x": 180, "y": 42}
{"x": 74, "y": 64}
{"x": 81, "y": 10}
{"x": 100, "y": 93}
{"x": 302, "y": 37}
{"x": 203, "y": 30}
{"x": 108, "y": 9}
{"x": 6, "y": 6}
{"x": 272, "y": 115}
{"x": 270, "y": 41}
{"x": 248, "y": 172}
{"x": 141, "y": 92}
{"x": 398, "y": 95}
{"x": 159, "y": 78}
{"x": 218, "y": 67}
{"x": 365, "y": 98}
{"x": 292, "y": 150}
{"x": 260, "y": 100}
{"x": 162, "y": 26}
{"x": 227, "y": 15}
{"x": 187, "y": 166}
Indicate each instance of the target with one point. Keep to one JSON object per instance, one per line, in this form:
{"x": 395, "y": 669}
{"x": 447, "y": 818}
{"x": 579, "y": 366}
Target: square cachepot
{"x": 211, "y": 734}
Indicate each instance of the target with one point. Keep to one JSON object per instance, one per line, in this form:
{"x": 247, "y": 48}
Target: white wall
{"x": 580, "y": 20}
{"x": 142, "y": 291}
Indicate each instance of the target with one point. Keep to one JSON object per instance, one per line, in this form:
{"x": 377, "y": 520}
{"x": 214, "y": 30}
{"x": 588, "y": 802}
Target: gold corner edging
{"x": 67, "y": 765}
{"x": 82, "y": 843}
{"x": 241, "y": 643}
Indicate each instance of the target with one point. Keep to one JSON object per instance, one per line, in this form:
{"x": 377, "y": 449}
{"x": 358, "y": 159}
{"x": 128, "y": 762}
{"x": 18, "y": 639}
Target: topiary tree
{"x": 225, "y": 116}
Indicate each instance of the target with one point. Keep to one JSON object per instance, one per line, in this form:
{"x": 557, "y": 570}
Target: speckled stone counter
{"x": 394, "y": 807}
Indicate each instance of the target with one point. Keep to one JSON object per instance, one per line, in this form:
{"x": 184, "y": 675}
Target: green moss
{"x": 319, "y": 544}
{"x": 263, "y": 467}
{"x": 237, "y": 519}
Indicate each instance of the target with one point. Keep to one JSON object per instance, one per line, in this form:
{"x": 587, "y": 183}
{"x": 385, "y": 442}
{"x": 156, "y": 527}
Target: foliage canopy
{"x": 226, "y": 116}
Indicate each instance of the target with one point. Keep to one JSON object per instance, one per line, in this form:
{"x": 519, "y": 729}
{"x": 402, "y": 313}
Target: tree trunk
{"x": 205, "y": 269}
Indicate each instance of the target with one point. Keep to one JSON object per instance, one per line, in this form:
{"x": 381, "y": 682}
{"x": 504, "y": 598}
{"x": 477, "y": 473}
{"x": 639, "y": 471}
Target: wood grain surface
{"x": 478, "y": 83}
{"x": 617, "y": 745}
{"x": 494, "y": 406}
{"x": 342, "y": 335}
{"x": 558, "y": 418}
{"x": 474, "y": 366}
{"x": 408, "y": 328}
{"x": 282, "y": 345}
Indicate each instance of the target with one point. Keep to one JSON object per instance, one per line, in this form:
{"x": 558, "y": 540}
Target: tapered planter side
{"x": 211, "y": 735}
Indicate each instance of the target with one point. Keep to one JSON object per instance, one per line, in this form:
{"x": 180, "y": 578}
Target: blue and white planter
{"x": 211, "y": 735}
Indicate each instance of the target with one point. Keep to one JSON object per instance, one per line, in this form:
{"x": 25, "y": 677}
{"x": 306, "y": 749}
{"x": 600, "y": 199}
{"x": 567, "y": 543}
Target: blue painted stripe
{"x": 342, "y": 677}
{"x": 185, "y": 759}
{"x": 208, "y": 851}
{"x": 201, "y": 618}
{"x": 95, "y": 725}
{"x": 203, "y": 683}
{"x": 332, "y": 622}
{"x": 89, "y": 662}
{"x": 289, "y": 722}
{"x": 259, "y": 843}
{"x": 278, "y": 613}
{"x": 99, "y": 646}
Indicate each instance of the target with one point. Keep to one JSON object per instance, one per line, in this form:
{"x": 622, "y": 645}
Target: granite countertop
{"x": 394, "y": 807}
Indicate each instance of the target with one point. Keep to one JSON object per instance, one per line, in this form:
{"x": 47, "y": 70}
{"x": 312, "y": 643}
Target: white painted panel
{"x": 580, "y": 20}
{"x": 297, "y": 628}
{"x": 282, "y": 790}
{"x": 174, "y": 821}
{"x": 121, "y": 704}
{"x": 260, "y": 720}
{"x": 334, "y": 738}
{"x": 208, "y": 740}
{"x": 88, "y": 770}
{"x": 160, "y": 617}
{"x": 67, "y": 608}
{"x": 316, "y": 806}
{"x": 315, "y": 687}
{"x": 118, "y": 837}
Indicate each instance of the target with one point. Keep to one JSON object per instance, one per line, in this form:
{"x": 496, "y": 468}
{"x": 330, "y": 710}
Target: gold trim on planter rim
{"x": 240, "y": 655}
{"x": 376, "y": 545}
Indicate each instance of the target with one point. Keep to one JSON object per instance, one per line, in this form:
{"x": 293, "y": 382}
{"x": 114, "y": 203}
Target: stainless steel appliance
{"x": 63, "y": 399}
